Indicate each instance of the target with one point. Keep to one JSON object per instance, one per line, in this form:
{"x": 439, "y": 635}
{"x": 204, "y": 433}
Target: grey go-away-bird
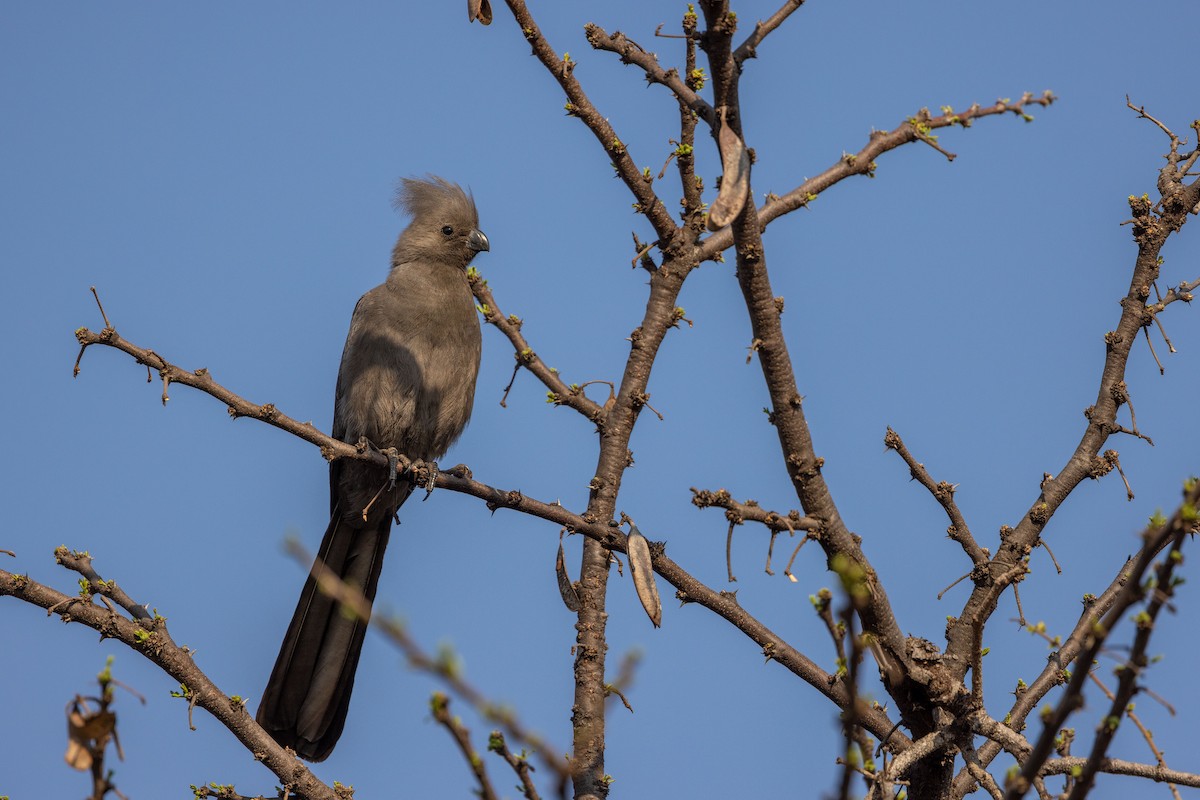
{"x": 407, "y": 381}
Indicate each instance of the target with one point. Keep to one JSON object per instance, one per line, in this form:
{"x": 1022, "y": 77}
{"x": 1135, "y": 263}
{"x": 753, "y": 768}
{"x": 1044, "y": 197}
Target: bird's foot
{"x": 393, "y": 457}
{"x": 425, "y": 476}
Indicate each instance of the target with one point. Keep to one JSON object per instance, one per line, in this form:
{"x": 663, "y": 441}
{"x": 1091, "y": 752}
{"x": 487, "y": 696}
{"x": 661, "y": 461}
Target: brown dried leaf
{"x": 86, "y": 730}
{"x": 641, "y": 569}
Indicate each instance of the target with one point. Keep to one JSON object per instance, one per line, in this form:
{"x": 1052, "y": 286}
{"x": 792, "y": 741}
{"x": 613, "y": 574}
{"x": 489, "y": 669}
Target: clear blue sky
{"x": 222, "y": 172}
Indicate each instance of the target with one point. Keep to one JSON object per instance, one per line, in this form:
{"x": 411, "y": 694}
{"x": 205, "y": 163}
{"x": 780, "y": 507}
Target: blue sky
{"x": 222, "y": 174}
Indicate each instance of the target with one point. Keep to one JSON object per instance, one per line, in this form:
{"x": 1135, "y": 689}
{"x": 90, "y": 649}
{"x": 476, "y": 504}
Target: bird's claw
{"x": 393, "y": 458}
{"x": 430, "y": 476}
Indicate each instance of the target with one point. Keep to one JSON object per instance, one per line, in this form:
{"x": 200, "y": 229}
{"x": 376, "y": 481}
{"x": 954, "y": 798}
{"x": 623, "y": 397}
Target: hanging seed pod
{"x": 735, "y": 183}
{"x": 479, "y": 10}
{"x": 643, "y": 575}
{"x": 565, "y": 587}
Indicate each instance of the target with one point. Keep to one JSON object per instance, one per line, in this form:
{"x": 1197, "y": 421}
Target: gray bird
{"x": 407, "y": 381}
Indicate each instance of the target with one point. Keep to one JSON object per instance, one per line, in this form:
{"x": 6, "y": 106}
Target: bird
{"x": 406, "y": 381}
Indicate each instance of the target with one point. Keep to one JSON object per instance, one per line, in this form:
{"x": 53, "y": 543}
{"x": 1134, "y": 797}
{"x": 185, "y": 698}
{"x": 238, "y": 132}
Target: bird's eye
{"x": 447, "y": 230}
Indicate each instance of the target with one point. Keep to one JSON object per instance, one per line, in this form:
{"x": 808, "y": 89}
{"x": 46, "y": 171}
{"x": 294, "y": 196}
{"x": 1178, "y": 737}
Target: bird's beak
{"x": 477, "y": 241}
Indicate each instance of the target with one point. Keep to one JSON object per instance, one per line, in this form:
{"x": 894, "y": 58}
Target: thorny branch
{"x": 148, "y": 636}
{"x": 519, "y": 764}
{"x": 943, "y": 492}
{"x": 1167, "y": 533}
{"x": 1151, "y": 230}
{"x": 749, "y": 48}
{"x": 916, "y": 128}
{"x": 609, "y": 535}
{"x": 787, "y": 415}
{"x": 631, "y": 53}
{"x": 560, "y": 393}
{"x": 776, "y": 523}
{"x": 439, "y": 704}
{"x": 578, "y": 105}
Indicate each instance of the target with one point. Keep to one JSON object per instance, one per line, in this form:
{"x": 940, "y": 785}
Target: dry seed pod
{"x": 735, "y": 183}
{"x": 565, "y": 587}
{"x": 479, "y": 10}
{"x": 643, "y": 575}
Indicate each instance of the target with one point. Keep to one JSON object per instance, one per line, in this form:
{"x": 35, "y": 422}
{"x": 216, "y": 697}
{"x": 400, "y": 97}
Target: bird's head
{"x": 445, "y": 224}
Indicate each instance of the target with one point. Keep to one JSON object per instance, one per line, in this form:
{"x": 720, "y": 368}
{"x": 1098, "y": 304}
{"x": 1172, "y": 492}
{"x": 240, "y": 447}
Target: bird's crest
{"x": 432, "y": 198}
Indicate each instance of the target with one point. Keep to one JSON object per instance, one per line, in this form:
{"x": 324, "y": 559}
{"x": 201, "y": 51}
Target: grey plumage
{"x": 407, "y": 380}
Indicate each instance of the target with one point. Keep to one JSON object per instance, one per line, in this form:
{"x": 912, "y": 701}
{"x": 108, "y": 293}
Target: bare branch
{"x": 149, "y": 637}
{"x": 738, "y": 512}
{"x": 631, "y": 53}
{"x": 787, "y": 414}
{"x": 942, "y": 492}
{"x": 1141, "y": 112}
{"x": 578, "y": 105}
{"x": 863, "y": 162}
{"x": 923, "y": 747}
{"x": 1116, "y": 766}
{"x": 519, "y": 764}
{"x": 559, "y": 392}
{"x": 749, "y": 48}
{"x": 1150, "y": 234}
{"x": 1157, "y": 536}
{"x": 439, "y": 704}
{"x": 82, "y": 563}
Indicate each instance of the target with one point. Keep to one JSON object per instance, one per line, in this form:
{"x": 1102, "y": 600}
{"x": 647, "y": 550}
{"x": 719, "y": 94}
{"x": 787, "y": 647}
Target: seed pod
{"x": 643, "y": 575}
{"x": 565, "y": 587}
{"x": 735, "y": 183}
{"x": 479, "y": 10}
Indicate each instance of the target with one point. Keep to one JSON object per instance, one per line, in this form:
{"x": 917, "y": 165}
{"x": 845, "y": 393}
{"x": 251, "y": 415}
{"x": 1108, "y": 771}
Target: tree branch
{"x": 632, "y": 53}
{"x": 578, "y": 105}
{"x": 149, "y": 637}
{"x": 749, "y": 48}
{"x": 439, "y": 705}
{"x": 1151, "y": 231}
{"x": 609, "y": 536}
{"x": 519, "y": 764}
{"x": 915, "y": 128}
{"x": 1156, "y": 537}
{"x": 942, "y": 492}
{"x": 560, "y": 393}
{"x": 1116, "y": 766}
{"x": 787, "y": 414}
{"x": 1054, "y": 674}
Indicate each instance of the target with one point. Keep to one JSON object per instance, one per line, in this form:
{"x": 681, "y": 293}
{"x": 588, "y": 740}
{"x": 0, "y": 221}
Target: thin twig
{"x": 749, "y": 48}
{"x": 100, "y": 305}
{"x": 439, "y": 704}
{"x": 519, "y": 764}
{"x": 943, "y": 493}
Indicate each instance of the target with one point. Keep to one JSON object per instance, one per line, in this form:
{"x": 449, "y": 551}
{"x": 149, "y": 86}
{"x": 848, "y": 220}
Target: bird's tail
{"x": 305, "y": 702}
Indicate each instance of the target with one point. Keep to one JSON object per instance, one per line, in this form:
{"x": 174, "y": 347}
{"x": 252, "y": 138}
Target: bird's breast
{"x": 408, "y": 380}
